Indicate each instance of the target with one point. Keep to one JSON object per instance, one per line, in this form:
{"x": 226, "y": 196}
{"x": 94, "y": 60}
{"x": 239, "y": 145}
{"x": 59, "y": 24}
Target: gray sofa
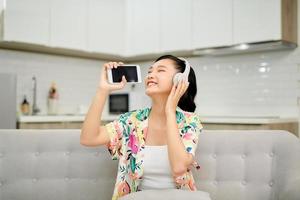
{"x": 235, "y": 165}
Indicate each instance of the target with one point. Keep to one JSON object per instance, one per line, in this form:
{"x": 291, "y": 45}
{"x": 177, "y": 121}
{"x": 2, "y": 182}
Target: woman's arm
{"x": 91, "y": 133}
{"x": 179, "y": 158}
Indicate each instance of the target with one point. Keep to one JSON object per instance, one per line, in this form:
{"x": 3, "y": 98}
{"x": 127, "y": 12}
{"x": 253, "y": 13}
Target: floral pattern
{"x": 127, "y": 142}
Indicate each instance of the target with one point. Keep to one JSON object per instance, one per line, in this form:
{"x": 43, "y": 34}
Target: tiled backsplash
{"x": 260, "y": 84}
{"x": 257, "y": 84}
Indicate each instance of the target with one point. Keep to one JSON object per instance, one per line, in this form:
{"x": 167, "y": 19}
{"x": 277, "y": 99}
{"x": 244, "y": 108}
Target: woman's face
{"x": 159, "y": 79}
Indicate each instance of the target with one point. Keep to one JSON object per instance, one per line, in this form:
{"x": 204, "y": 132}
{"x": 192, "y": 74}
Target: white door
{"x": 256, "y": 20}
{"x": 211, "y": 23}
{"x": 27, "y": 21}
{"x": 106, "y": 26}
{"x": 143, "y": 30}
{"x": 175, "y": 25}
{"x": 69, "y": 24}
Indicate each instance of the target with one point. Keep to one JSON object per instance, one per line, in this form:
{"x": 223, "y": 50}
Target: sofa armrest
{"x": 291, "y": 190}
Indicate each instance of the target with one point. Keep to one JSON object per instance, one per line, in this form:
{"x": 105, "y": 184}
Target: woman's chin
{"x": 154, "y": 91}
{"x": 151, "y": 91}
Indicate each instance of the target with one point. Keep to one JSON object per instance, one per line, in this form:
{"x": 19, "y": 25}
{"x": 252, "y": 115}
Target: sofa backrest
{"x": 52, "y": 164}
{"x": 247, "y": 164}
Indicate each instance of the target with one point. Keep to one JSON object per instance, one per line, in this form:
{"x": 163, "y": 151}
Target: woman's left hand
{"x": 175, "y": 95}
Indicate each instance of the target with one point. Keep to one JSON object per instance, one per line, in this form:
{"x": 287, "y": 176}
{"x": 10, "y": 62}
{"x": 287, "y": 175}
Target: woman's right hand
{"x": 104, "y": 84}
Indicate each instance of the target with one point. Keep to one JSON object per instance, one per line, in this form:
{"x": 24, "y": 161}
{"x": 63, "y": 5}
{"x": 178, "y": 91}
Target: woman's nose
{"x": 150, "y": 75}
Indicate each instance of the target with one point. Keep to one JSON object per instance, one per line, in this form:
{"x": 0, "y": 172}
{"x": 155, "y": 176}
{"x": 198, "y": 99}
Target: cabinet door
{"x": 175, "y": 25}
{"x": 2, "y": 2}
{"x": 69, "y": 24}
{"x": 106, "y": 26}
{"x": 27, "y": 21}
{"x": 143, "y": 29}
{"x": 211, "y": 23}
{"x": 256, "y": 20}
{"x": 1, "y": 18}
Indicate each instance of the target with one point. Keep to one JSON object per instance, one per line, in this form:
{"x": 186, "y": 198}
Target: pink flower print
{"x": 123, "y": 188}
{"x": 133, "y": 143}
{"x": 114, "y": 141}
{"x": 192, "y": 185}
{"x": 187, "y": 136}
{"x": 133, "y": 176}
{"x": 188, "y": 114}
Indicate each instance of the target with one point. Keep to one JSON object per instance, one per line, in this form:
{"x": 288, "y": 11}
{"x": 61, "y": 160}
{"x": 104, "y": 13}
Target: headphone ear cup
{"x": 177, "y": 78}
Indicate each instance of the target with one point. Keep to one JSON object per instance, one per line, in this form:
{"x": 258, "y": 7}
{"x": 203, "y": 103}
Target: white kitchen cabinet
{"x": 1, "y": 17}
{"x": 106, "y": 26}
{"x": 143, "y": 27}
{"x": 68, "y": 24}
{"x": 2, "y": 3}
{"x": 27, "y": 21}
{"x": 256, "y": 20}
{"x": 175, "y": 25}
{"x": 211, "y": 23}
{"x": 131, "y": 28}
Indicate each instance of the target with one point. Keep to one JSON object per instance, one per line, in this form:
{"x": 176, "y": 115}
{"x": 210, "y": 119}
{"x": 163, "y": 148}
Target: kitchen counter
{"x": 209, "y": 122}
{"x": 246, "y": 120}
{"x": 57, "y": 118}
{"x": 204, "y": 119}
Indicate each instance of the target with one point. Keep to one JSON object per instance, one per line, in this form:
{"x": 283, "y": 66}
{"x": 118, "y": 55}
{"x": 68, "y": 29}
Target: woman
{"x": 155, "y": 146}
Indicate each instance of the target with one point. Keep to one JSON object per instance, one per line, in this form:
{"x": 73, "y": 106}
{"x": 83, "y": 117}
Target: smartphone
{"x": 132, "y": 74}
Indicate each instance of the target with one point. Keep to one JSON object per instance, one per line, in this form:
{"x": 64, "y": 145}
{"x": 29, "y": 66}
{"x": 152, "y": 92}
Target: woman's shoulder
{"x": 188, "y": 114}
{"x": 191, "y": 118}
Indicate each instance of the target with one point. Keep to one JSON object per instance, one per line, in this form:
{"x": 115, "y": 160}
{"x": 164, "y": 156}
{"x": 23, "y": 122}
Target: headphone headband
{"x": 187, "y": 67}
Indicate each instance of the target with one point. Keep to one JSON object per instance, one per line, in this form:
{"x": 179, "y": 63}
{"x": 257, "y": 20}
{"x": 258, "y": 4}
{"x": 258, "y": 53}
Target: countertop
{"x": 204, "y": 119}
{"x": 59, "y": 118}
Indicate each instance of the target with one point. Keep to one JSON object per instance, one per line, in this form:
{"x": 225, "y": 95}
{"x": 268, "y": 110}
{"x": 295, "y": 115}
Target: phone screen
{"x": 130, "y": 73}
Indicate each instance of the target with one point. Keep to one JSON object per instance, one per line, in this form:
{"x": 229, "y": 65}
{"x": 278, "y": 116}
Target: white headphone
{"x": 178, "y": 76}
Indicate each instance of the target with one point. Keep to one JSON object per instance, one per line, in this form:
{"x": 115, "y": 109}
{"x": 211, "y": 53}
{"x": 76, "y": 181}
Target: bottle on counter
{"x": 53, "y": 99}
{"x": 25, "y": 106}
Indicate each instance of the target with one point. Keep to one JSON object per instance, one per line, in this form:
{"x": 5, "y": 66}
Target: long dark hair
{"x": 186, "y": 102}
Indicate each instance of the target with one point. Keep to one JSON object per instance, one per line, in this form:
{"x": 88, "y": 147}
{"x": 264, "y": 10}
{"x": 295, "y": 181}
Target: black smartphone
{"x": 132, "y": 74}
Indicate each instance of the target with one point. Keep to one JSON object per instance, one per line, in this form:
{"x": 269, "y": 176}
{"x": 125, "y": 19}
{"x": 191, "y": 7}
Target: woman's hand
{"x": 175, "y": 95}
{"x": 104, "y": 84}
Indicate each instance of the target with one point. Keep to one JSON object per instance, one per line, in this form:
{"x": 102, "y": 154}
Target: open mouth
{"x": 151, "y": 83}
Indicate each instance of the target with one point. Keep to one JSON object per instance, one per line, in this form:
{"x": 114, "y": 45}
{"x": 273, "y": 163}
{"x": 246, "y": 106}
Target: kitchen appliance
{"x": 118, "y": 103}
{"x": 8, "y": 105}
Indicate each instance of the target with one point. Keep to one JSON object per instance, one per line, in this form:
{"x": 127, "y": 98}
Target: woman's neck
{"x": 158, "y": 111}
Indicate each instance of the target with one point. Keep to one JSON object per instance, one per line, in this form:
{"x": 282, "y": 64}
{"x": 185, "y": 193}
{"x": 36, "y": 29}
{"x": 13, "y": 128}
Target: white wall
{"x": 76, "y": 78}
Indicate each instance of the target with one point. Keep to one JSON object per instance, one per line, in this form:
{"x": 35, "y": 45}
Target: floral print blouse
{"x": 127, "y": 143}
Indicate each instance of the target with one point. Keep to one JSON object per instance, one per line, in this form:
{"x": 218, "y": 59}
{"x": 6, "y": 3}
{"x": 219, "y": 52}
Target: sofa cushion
{"x": 167, "y": 194}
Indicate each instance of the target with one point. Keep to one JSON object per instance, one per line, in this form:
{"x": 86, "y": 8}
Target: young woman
{"x": 155, "y": 145}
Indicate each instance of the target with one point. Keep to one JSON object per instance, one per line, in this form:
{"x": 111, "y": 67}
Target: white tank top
{"x": 157, "y": 171}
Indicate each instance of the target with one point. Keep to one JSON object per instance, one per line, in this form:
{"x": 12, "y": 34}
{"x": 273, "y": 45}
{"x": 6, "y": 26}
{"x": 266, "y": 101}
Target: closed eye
{"x": 158, "y": 71}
